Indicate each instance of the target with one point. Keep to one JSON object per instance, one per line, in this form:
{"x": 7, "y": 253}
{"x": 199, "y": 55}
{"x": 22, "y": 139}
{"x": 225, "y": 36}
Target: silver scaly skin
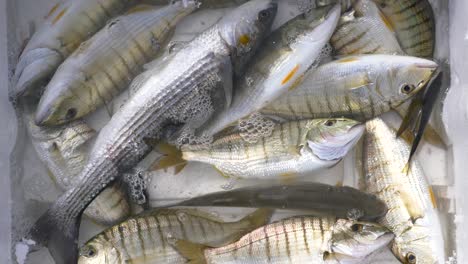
{"x": 365, "y": 30}
{"x": 356, "y": 87}
{"x": 285, "y": 56}
{"x": 296, "y": 240}
{"x": 149, "y": 238}
{"x": 411, "y": 203}
{"x": 63, "y": 150}
{"x": 294, "y": 148}
{"x": 182, "y": 93}
{"x": 105, "y": 64}
{"x": 67, "y": 25}
{"x": 414, "y": 25}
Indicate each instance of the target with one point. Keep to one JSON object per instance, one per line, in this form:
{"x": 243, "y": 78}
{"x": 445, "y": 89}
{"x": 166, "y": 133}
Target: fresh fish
{"x": 411, "y": 203}
{"x": 67, "y": 25}
{"x": 149, "y": 238}
{"x": 296, "y": 240}
{"x": 279, "y": 66}
{"x": 179, "y": 94}
{"x": 414, "y": 25}
{"x": 105, "y": 64}
{"x": 321, "y": 199}
{"x": 357, "y": 87}
{"x": 63, "y": 150}
{"x": 365, "y": 30}
{"x": 294, "y": 148}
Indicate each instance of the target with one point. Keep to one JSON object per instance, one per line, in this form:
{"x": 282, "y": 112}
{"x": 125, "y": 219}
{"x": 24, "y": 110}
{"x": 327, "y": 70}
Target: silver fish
{"x": 148, "y": 238}
{"x": 296, "y": 240}
{"x": 105, "y": 64}
{"x": 356, "y": 87}
{"x": 287, "y": 54}
{"x": 172, "y": 96}
{"x": 411, "y": 203}
{"x": 64, "y": 152}
{"x": 67, "y": 25}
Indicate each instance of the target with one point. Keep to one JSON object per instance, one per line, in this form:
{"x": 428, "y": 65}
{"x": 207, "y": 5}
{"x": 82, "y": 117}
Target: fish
{"x": 357, "y": 87}
{"x": 296, "y": 240}
{"x": 66, "y": 26}
{"x": 63, "y": 150}
{"x": 148, "y": 238}
{"x": 169, "y": 99}
{"x": 103, "y": 66}
{"x": 294, "y": 148}
{"x": 411, "y": 203}
{"x": 285, "y": 55}
{"x": 317, "y": 198}
{"x": 365, "y": 30}
{"x": 414, "y": 25}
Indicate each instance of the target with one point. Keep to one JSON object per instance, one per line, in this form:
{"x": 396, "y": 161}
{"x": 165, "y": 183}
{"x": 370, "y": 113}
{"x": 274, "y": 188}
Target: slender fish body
{"x": 149, "y": 238}
{"x": 67, "y": 25}
{"x": 105, "y": 64}
{"x": 294, "y": 148}
{"x": 279, "y": 66}
{"x": 414, "y": 25}
{"x": 365, "y": 30}
{"x": 196, "y": 80}
{"x": 356, "y": 87}
{"x": 411, "y": 215}
{"x": 296, "y": 240}
{"x": 63, "y": 150}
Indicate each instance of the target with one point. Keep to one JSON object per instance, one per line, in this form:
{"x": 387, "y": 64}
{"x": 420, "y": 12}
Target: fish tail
{"x": 172, "y": 157}
{"x": 259, "y": 218}
{"x": 191, "y": 251}
{"x": 61, "y": 237}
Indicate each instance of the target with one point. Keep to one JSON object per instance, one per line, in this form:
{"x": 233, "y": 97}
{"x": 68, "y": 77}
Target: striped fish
{"x": 414, "y": 25}
{"x": 63, "y": 150}
{"x": 67, "y": 25}
{"x": 296, "y": 240}
{"x": 293, "y": 148}
{"x": 356, "y": 87}
{"x": 411, "y": 215}
{"x": 365, "y": 30}
{"x": 105, "y": 64}
{"x": 149, "y": 238}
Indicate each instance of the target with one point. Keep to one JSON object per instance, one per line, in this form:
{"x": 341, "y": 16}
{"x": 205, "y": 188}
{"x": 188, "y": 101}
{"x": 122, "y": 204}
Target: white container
{"x": 24, "y": 177}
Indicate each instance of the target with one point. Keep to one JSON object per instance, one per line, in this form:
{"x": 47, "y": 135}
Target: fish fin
{"x": 259, "y": 217}
{"x": 225, "y": 175}
{"x": 339, "y": 183}
{"x": 226, "y": 78}
{"x": 407, "y": 136}
{"x": 295, "y": 150}
{"x": 288, "y": 177}
{"x": 433, "y": 197}
{"x": 432, "y": 136}
{"x": 140, "y": 8}
{"x": 409, "y": 114}
{"x": 62, "y": 241}
{"x": 191, "y": 251}
{"x": 172, "y": 158}
{"x": 139, "y": 81}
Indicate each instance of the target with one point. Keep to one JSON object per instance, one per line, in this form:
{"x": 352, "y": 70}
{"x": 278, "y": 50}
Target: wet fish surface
{"x": 357, "y": 87}
{"x": 293, "y": 148}
{"x": 67, "y": 25}
{"x": 105, "y": 64}
{"x": 296, "y": 240}
{"x": 321, "y": 199}
{"x": 411, "y": 203}
{"x": 149, "y": 237}
{"x": 197, "y": 76}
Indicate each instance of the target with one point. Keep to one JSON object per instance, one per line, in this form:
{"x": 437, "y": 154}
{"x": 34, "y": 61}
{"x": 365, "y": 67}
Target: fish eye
{"x": 71, "y": 113}
{"x": 330, "y": 123}
{"x": 89, "y": 252}
{"x": 264, "y": 15}
{"x": 411, "y": 258}
{"x": 407, "y": 88}
{"x": 357, "y": 227}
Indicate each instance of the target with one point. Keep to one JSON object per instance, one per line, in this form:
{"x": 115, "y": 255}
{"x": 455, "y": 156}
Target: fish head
{"x": 353, "y": 240}
{"x": 98, "y": 251}
{"x": 60, "y": 105}
{"x": 245, "y": 27}
{"x": 331, "y": 139}
{"x": 406, "y": 76}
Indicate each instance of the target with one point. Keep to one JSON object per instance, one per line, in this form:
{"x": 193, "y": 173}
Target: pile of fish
{"x": 254, "y": 103}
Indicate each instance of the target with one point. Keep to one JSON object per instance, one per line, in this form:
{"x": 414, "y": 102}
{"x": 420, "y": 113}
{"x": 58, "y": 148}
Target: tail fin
{"x": 61, "y": 240}
{"x": 172, "y": 157}
{"x": 191, "y": 251}
{"x": 259, "y": 218}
